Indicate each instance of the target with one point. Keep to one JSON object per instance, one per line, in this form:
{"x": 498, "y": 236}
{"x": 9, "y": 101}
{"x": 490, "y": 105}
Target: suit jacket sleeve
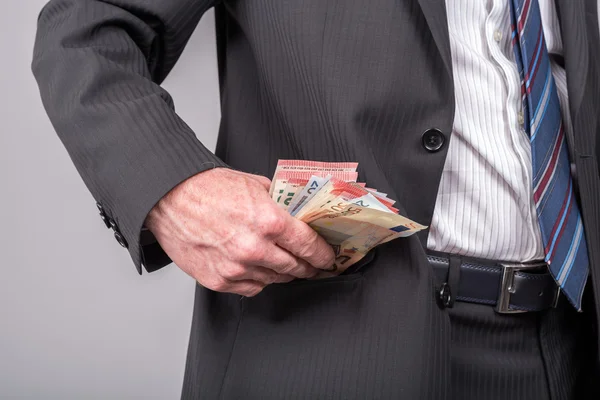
{"x": 98, "y": 64}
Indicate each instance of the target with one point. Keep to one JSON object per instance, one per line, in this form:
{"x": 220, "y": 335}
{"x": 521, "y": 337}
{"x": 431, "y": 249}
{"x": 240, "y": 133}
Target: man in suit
{"x": 480, "y": 118}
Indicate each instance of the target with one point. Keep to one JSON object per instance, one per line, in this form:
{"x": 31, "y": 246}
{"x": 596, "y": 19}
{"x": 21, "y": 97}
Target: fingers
{"x": 303, "y": 242}
{"x": 256, "y": 250}
{"x": 284, "y": 278}
{"x": 257, "y": 273}
{"x": 283, "y": 263}
{"x": 265, "y": 275}
{"x": 244, "y": 280}
{"x": 247, "y": 288}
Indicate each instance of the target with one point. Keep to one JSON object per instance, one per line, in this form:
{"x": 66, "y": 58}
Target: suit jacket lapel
{"x": 571, "y": 14}
{"x": 435, "y": 15}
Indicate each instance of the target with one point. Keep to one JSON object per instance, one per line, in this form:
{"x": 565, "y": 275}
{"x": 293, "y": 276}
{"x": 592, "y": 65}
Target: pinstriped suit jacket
{"x": 339, "y": 80}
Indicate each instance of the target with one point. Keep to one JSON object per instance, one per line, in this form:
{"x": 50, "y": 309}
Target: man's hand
{"x": 222, "y": 228}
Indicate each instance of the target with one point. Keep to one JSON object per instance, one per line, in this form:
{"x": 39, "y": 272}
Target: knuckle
{"x": 323, "y": 255}
{"x": 219, "y": 285}
{"x": 234, "y": 272}
{"x": 253, "y": 290}
{"x": 272, "y": 222}
{"x": 285, "y": 278}
{"x": 288, "y": 265}
{"x": 310, "y": 272}
{"x": 288, "y": 268}
{"x": 249, "y": 248}
{"x": 309, "y": 244}
{"x": 300, "y": 271}
{"x": 263, "y": 180}
{"x": 270, "y": 277}
{"x": 255, "y": 253}
{"x": 330, "y": 255}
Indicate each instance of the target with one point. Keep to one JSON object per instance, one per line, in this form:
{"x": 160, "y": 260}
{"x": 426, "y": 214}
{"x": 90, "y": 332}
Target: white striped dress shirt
{"x": 485, "y": 204}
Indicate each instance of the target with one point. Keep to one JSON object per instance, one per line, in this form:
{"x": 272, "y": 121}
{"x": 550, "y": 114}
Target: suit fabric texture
{"x": 522, "y": 356}
{"x": 340, "y": 80}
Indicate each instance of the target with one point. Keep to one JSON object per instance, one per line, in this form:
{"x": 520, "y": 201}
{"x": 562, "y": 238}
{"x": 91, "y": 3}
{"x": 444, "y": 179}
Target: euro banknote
{"x": 351, "y": 217}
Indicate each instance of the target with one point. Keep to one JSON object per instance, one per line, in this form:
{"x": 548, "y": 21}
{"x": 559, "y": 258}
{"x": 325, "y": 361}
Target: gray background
{"x": 77, "y": 321}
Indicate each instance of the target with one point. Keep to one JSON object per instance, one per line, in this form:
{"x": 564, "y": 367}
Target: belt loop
{"x": 453, "y": 278}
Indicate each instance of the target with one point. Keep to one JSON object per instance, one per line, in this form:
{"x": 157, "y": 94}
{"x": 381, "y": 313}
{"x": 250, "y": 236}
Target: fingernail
{"x": 332, "y": 268}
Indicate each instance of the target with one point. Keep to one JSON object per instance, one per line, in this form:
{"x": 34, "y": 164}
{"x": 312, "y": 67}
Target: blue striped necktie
{"x": 553, "y": 193}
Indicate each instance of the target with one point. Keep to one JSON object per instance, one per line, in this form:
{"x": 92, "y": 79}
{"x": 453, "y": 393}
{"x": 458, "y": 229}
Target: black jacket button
{"x": 103, "y": 215}
{"x": 120, "y": 239}
{"x": 433, "y": 140}
{"x": 444, "y": 296}
{"x": 105, "y": 220}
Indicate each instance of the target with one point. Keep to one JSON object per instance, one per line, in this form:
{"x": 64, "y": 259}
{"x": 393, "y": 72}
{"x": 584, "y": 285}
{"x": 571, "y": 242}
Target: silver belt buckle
{"x": 507, "y": 288}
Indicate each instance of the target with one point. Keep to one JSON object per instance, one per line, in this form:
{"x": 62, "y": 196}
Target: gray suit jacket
{"x": 350, "y": 80}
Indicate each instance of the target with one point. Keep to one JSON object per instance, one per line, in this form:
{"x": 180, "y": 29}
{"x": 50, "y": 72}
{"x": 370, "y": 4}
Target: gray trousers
{"x": 530, "y": 356}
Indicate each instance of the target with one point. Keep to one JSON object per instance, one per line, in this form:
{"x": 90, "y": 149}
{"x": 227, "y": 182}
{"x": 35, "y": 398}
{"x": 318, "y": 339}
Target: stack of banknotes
{"x": 351, "y": 217}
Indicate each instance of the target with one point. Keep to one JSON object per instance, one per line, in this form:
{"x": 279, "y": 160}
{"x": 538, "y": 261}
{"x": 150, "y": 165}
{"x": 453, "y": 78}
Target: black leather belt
{"x": 509, "y": 287}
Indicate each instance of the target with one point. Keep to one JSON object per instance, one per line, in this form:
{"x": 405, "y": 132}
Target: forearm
{"x": 98, "y": 65}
